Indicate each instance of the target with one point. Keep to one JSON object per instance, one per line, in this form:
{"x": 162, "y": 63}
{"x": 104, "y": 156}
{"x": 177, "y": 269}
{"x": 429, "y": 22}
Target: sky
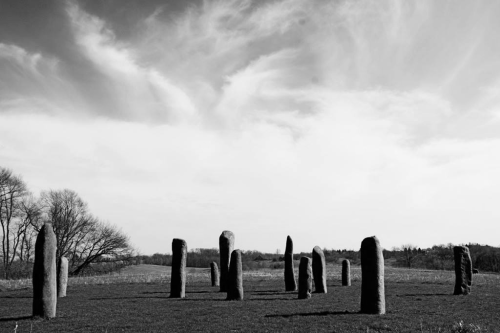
{"x": 329, "y": 121}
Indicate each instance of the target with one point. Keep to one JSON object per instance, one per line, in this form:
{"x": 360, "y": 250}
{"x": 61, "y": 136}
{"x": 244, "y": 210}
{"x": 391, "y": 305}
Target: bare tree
{"x": 30, "y": 215}
{"x": 105, "y": 241}
{"x": 12, "y": 190}
{"x": 70, "y": 219}
{"x": 81, "y": 237}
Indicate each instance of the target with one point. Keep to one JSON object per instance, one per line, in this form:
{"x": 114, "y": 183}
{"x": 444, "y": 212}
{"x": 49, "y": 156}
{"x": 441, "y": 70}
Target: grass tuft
{"x": 460, "y": 327}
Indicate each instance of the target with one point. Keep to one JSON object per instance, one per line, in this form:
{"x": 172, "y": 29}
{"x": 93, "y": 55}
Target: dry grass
{"x": 161, "y": 274}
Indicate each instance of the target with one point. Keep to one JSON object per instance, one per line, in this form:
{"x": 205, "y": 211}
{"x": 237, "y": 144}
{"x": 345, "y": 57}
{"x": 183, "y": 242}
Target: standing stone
{"x": 178, "y": 278}
{"x": 346, "y": 273}
{"x": 319, "y": 270}
{"x": 226, "y": 246}
{"x": 290, "y": 284}
{"x": 62, "y": 277}
{"x": 463, "y": 270}
{"x": 305, "y": 278}
{"x": 45, "y": 274}
{"x": 235, "y": 278}
{"x": 214, "y": 273}
{"x": 372, "y": 277}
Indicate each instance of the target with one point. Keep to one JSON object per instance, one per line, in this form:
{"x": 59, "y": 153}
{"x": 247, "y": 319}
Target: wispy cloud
{"x": 137, "y": 90}
{"x": 23, "y": 59}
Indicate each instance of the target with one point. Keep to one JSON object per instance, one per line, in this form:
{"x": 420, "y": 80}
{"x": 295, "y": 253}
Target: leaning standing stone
{"x": 62, "y": 277}
{"x": 463, "y": 270}
{"x": 319, "y": 270}
{"x": 305, "y": 279}
{"x": 235, "y": 278}
{"x": 372, "y": 277}
{"x": 226, "y": 246}
{"x": 178, "y": 278}
{"x": 45, "y": 274}
{"x": 214, "y": 273}
{"x": 346, "y": 273}
{"x": 290, "y": 284}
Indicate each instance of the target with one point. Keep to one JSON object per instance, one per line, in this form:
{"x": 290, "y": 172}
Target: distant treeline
{"x": 439, "y": 257}
{"x": 250, "y": 259}
{"x": 484, "y": 258}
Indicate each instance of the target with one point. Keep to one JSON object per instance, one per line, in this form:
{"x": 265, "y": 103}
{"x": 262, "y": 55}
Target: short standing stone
{"x": 62, "y": 277}
{"x": 235, "y": 278}
{"x": 290, "y": 283}
{"x": 226, "y": 246}
{"x": 372, "y": 277}
{"x": 346, "y": 273}
{"x": 45, "y": 274}
{"x": 319, "y": 270}
{"x": 305, "y": 278}
{"x": 463, "y": 270}
{"x": 178, "y": 278}
{"x": 214, "y": 273}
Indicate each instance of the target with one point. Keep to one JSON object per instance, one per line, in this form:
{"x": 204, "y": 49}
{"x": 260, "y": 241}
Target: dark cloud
{"x": 37, "y": 26}
{"x": 125, "y": 16}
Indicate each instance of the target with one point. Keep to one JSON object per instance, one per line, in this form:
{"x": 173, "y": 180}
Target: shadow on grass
{"x": 158, "y": 297}
{"x": 431, "y": 294}
{"x": 115, "y": 298}
{"x": 268, "y": 293}
{"x": 202, "y": 300}
{"x": 307, "y": 314}
{"x": 155, "y": 292}
{"x": 15, "y": 318}
{"x": 272, "y": 299}
{"x": 168, "y": 293}
{"x": 201, "y": 292}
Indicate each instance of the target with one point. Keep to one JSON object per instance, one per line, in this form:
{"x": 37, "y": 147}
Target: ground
{"x": 417, "y": 301}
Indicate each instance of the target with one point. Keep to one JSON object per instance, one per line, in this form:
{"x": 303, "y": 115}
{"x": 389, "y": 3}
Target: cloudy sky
{"x": 328, "y": 121}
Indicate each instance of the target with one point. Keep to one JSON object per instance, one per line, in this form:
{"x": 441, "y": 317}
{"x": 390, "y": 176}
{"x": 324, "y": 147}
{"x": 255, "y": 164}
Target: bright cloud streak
{"x": 267, "y": 119}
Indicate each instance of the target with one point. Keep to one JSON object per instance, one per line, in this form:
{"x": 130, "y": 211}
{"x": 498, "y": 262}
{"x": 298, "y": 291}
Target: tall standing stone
{"x": 178, "y": 278}
{"x": 214, "y": 273}
{"x": 463, "y": 270}
{"x": 62, "y": 277}
{"x": 372, "y": 277}
{"x": 235, "y": 278}
{"x": 319, "y": 270}
{"x": 346, "y": 273}
{"x": 45, "y": 274}
{"x": 290, "y": 284}
{"x": 226, "y": 246}
{"x": 305, "y": 278}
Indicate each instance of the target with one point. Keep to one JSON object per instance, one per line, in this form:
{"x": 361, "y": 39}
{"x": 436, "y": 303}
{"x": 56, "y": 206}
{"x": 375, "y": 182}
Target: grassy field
{"x": 137, "y": 301}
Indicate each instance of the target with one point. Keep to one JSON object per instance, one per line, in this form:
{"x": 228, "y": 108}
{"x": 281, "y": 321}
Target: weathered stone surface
{"x": 45, "y": 274}
{"x": 62, "y": 277}
{"x": 235, "y": 278}
{"x": 372, "y": 277}
{"x": 346, "y": 272}
{"x": 290, "y": 283}
{"x": 463, "y": 270}
{"x": 214, "y": 273}
{"x": 178, "y": 278}
{"x": 305, "y": 278}
{"x": 319, "y": 270}
{"x": 226, "y": 246}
